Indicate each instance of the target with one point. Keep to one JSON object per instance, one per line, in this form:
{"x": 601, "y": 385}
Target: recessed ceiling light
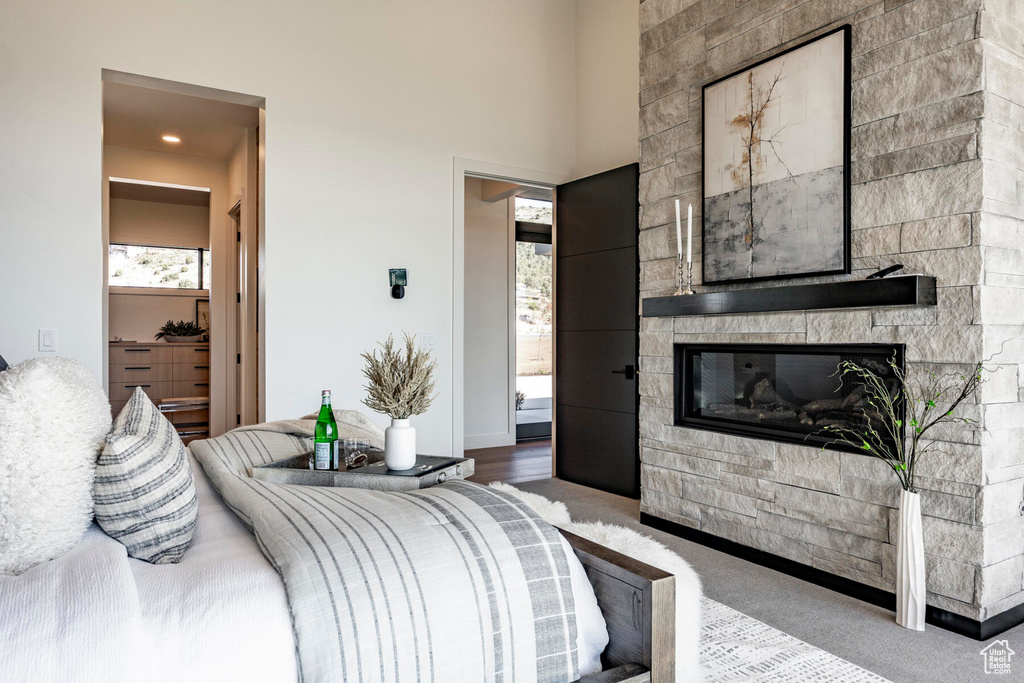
{"x": 172, "y": 138}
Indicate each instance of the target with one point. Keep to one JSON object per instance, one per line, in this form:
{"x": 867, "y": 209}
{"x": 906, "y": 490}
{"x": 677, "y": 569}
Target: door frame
{"x": 227, "y": 369}
{"x": 249, "y": 399}
{"x": 490, "y": 171}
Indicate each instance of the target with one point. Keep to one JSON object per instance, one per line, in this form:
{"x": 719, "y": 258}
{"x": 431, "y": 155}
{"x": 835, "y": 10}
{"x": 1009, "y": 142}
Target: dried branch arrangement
{"x": 756, "y": 145}
{"x": 399, "y": 385}
{"x": 932, "y": 403}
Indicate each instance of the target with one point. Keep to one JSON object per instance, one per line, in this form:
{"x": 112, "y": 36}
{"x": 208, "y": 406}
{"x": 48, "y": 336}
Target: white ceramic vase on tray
{"x": 910, "y": 574}
{"x": 400, "y": 445}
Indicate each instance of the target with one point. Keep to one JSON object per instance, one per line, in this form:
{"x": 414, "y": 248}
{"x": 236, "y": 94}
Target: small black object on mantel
{"x": 894, "y": 268}
{"x": 3, "y": 364}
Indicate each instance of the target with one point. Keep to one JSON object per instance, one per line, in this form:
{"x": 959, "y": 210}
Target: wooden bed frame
{"x": 638, "y": 603}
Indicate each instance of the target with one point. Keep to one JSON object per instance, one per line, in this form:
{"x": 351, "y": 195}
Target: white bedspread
{"x": 94, "y": 614}
{"x": 457, "y": 582}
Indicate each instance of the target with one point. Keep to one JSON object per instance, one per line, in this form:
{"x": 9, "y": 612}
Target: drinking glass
{"x": 353, "y": 448}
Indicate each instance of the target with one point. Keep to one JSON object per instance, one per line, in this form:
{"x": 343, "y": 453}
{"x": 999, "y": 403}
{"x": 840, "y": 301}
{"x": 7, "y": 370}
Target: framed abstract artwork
{"x": 776, "y": 166}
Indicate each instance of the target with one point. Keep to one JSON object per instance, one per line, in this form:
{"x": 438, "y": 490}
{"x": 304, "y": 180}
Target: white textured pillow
{"x": 53, "y": 418}
{"x": 145, "y": 495}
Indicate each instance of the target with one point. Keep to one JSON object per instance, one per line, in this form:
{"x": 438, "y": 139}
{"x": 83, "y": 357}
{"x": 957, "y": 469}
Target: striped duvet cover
{"x": 458, "y": 582}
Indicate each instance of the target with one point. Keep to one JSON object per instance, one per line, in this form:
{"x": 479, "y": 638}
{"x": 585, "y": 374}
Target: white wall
{"x": 607, "y": 85}
{"x": 179, "y": 169}
{"x": 138, "y": 317}
{"x": 367, "y": 106}
{"x": 487, "y": 315}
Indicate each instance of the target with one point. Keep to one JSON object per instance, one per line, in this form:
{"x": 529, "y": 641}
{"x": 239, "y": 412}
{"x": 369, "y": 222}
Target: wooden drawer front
{"x": 191, "y": 372}
{"x": 116, "y": 407}
{"x": 192, "y": 355}
{"x": 184, "y": 389}
{"x": 189, "y": 417}
{"x": 139, "y": 354}
{"x": 122, "y": 391}
{"x": 144, "y": 373}
{"x": 190, "y": 434}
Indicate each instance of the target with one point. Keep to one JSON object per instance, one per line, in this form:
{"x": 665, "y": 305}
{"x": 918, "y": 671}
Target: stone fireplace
{"x": 935, "y": 176}
{"x": 786, "y": 393}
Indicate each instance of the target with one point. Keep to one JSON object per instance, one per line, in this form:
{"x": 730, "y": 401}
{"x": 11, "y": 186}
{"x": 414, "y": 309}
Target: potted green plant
{"x": 893, "y": 430}
{"x": 399, "y": 386}
{"x": 180, "y": 331}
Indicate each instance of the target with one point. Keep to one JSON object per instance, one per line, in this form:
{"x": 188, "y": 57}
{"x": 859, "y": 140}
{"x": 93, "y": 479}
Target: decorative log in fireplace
{"x": 775, "y": 391}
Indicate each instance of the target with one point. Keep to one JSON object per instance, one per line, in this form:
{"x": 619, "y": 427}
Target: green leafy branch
{"x": 885, "y": 435}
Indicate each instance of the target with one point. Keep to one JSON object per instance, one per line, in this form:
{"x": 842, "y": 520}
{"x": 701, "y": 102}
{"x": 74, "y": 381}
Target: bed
{"x": 223, "y": 612}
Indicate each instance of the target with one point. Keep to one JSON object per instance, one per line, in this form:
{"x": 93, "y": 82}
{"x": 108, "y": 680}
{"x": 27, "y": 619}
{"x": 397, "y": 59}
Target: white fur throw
{"x": 647, "y": 550}
{"x": 54, "y": 417}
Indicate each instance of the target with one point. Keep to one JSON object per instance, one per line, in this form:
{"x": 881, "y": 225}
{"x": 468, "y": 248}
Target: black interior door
{"x": 596, "y": 342}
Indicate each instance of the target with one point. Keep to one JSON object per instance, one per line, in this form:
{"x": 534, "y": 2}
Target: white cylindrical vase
{"x": 910, "y": 575}
{"x": 400, "y": 445}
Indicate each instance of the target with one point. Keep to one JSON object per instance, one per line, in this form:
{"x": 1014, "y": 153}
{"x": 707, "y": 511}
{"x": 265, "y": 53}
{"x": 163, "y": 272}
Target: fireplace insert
{"x": 780, "y": 392}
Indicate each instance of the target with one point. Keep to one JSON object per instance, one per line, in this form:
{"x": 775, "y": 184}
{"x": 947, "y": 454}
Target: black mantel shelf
{"x": 898, "y": 290}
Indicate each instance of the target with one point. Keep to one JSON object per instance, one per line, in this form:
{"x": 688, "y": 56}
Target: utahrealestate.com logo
{"x": 997, "y": 657}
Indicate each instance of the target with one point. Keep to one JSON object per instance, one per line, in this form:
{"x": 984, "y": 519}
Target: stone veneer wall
{"x": 937, "y": 170}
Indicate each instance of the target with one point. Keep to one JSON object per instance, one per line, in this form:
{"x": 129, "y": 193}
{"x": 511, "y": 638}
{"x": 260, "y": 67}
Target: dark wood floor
{"x": 525, "y": 461}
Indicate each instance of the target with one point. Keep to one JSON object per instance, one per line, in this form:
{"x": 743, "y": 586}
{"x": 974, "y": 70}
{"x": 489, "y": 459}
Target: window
{"x": 132, "y": 265}
{"x": 533, "y": 210}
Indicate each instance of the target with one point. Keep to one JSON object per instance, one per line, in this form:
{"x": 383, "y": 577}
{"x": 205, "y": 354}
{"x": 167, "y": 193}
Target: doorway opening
{"x": 183, "y": 219}
{"x": 534, "y": 314}
{"x": 594, "y": 244}
{"x": 507, "y": 325}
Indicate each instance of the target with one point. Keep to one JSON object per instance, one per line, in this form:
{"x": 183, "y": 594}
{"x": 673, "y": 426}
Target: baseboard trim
{"x": 972, "y": 628}
{"x": 498, "y": 440}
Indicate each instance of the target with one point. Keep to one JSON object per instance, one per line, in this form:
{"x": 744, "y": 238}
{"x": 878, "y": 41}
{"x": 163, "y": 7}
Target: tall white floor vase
{"x": 400, "y": 445}
{"x": 910, "y": 576}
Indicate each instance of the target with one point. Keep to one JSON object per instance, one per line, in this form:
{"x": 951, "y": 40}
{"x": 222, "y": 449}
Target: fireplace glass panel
{"x": 786, "y": 393}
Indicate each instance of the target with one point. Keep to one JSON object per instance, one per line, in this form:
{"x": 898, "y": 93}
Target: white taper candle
{"x": 679, "y": 232}
{"x": 689, "y": 234}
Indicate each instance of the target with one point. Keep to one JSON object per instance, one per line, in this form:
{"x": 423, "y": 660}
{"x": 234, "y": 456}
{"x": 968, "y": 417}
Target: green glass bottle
{"x": 325, "y": 436}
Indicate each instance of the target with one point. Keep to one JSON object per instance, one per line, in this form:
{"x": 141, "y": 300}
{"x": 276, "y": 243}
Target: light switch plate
{"x": 428, "y": 340}
{"x": 48, "y": 340}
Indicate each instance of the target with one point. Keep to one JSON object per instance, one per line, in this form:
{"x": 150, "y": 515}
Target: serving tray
{"x": 428, "y": 471}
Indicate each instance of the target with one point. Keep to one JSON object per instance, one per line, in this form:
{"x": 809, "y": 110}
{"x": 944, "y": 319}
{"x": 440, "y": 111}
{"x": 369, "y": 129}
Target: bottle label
{"x": 322, "y": 457}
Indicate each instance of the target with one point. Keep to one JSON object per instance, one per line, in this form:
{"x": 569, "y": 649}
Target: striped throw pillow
{"x": 144, "y": 493}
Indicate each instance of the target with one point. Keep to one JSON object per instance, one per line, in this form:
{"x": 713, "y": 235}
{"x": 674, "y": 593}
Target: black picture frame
{"x": 202, "y": 304}
{"x": 846, "y": 31}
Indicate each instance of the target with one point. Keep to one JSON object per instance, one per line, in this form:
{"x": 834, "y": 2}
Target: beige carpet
{"x": 846, "y": 627}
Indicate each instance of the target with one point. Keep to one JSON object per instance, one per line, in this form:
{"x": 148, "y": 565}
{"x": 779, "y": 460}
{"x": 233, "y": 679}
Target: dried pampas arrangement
{"x": 399, "y": 385}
